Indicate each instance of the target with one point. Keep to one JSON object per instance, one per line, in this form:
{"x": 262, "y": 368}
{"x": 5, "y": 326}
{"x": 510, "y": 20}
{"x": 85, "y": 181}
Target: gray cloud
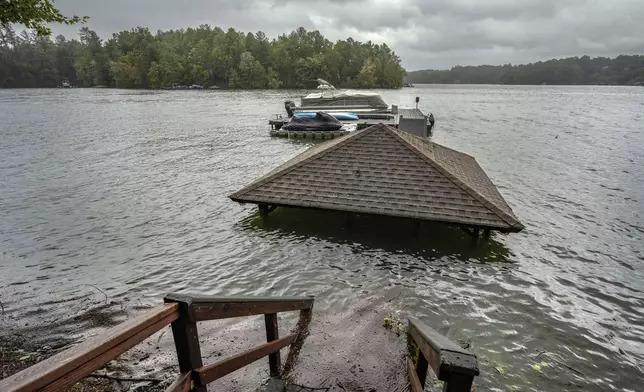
{"x": 425, "y": 33}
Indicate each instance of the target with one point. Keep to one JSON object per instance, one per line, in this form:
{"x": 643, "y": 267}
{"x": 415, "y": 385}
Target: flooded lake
{"x": 123, "y": 194}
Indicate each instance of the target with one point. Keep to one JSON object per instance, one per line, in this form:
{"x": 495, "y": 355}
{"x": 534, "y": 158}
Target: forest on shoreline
{"x": 207, "y": 56}
{"x": 621, "y": 70}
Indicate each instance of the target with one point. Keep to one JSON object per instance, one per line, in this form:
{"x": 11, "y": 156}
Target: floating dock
{"x": 309, "y": 134}
{"x": 413, "y": 121}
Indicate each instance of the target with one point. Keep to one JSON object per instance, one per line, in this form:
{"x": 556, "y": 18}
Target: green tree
{"x": 124, "y": 72}
{"x": 249, "y": 73}
{"x": 92, "y": 65}
{"x": 34, "y": 14}
{"x": 367, "y": 74}
{"x": 137, "y": 58}
{"x": 272, "y": 79}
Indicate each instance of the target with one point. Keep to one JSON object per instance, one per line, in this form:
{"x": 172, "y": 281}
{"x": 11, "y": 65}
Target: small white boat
{"x": 330, "y": 98}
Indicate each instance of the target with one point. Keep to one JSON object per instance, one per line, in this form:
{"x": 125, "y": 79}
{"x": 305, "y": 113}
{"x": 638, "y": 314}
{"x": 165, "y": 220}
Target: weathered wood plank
{"x": 449, "y": 361}
{"x": 210, "y": 373}
{"x": 238, "y": 307}
{"x": 431, "y": 355}
{"x": 66, "y": 368}
{"x": 272, "y": 333}
{"x": 181, "y": 384}
{"x": 63, "y": 383}
{"x": 414, "y": 382}
{"x": 239, "y": 298}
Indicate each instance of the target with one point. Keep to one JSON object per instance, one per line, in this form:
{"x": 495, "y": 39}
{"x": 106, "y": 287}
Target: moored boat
{"x": 355, "y": 109}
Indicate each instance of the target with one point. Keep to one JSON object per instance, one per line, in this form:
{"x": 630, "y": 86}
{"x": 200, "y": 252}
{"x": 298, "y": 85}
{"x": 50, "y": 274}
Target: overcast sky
{"x": 425, "y": 33}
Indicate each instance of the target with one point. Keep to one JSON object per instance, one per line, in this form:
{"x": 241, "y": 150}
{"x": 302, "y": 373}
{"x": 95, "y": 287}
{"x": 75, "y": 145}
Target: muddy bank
{"x": 23, "y": 345}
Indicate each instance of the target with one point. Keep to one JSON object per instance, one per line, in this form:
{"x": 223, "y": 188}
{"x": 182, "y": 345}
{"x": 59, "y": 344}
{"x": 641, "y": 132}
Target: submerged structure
{"x": 381, "y": 170}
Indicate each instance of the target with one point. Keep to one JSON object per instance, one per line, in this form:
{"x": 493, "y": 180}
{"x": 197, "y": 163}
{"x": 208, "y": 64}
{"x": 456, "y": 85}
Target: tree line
{"x": 206, "y": 55}
{"x": 621, "y": 70}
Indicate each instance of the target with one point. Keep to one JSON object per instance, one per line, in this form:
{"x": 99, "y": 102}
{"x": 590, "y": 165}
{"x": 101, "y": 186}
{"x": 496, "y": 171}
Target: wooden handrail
{"x": 451, "y": 364}
{"x": 414, "y": 381}
{"x": 214, "y": 308}
{"x": 193, "y": 308}
{"x": 210, "y": 373}
{"x": 182, "y": 383}
{"x": 62, "y": 370}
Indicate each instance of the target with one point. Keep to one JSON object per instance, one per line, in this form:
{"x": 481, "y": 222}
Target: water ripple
{"x": 126, "y": 191}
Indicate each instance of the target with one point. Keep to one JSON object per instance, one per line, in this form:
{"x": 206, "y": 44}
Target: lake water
{"x": 126, "y": 191}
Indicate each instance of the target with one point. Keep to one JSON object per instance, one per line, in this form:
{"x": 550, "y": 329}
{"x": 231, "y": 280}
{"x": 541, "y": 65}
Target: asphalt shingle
{"x": 381, "y": 170}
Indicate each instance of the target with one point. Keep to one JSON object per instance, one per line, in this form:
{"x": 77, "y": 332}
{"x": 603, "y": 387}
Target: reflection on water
{"x": 423, "y": 240}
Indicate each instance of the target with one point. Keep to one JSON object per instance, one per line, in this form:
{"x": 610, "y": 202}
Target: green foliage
{"x": 367, "y": 74}
{"x": 209, "y": 56}
{"x": 249, "y": 73}
{"x": 34, "y": 14}
{"x": 272, "y": 79}
{"x": 622, "y": 70}
{"x": 394, "y": 324}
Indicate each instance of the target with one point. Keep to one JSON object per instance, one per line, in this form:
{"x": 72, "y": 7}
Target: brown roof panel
{"x": 381, "y": 170}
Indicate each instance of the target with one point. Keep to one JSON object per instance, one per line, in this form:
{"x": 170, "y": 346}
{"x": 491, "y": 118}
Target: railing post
{"x": 421, "y": 368}
{"x": 458, "y": 383}
{"x": 451, "y": 363}
{"x": 186, "y": 338}
{"x": 272, "y": 333}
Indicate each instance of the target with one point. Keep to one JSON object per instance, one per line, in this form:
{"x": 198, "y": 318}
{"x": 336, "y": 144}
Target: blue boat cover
{"x": 321, "y": 122}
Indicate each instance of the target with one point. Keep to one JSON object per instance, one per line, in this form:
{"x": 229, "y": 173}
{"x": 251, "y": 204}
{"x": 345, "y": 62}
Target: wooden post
{"x": 265, "y": 209}
{"x": 417, "y": 229}
{"x": 186, "y": 338}
{"x": 451, "y": 363}
{"x": 272, "y": 333}
{"x": 348, "y": 222}
{"x": 459, "y": 383}
{"x": 421, "y": 368}
{"x": 475, "y": 237}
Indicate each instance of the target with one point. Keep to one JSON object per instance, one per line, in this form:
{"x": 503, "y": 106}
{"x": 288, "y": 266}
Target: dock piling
{"x": 265, "y": 209}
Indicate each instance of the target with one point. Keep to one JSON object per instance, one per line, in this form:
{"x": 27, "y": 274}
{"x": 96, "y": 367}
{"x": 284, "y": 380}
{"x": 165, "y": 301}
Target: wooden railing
{"x": 63, "y": 370}
{"x": 453, "y": 365}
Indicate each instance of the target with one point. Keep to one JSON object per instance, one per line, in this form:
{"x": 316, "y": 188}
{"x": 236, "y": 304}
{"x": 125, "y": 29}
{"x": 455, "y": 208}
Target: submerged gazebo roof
{"x": 381, "y": 170}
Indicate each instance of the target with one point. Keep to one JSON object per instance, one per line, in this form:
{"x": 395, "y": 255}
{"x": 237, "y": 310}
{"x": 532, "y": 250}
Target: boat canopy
{"x": 332, "y": 98}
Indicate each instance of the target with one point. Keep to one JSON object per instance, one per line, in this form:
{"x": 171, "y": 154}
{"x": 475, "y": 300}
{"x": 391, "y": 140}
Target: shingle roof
{"x": 381, "y": 170}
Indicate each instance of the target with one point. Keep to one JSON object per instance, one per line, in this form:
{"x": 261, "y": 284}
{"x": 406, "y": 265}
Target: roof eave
{"x": 504, "y": 229}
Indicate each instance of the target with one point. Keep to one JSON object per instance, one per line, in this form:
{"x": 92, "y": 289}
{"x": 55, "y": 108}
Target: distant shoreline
{"x": 623, "y": 70}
